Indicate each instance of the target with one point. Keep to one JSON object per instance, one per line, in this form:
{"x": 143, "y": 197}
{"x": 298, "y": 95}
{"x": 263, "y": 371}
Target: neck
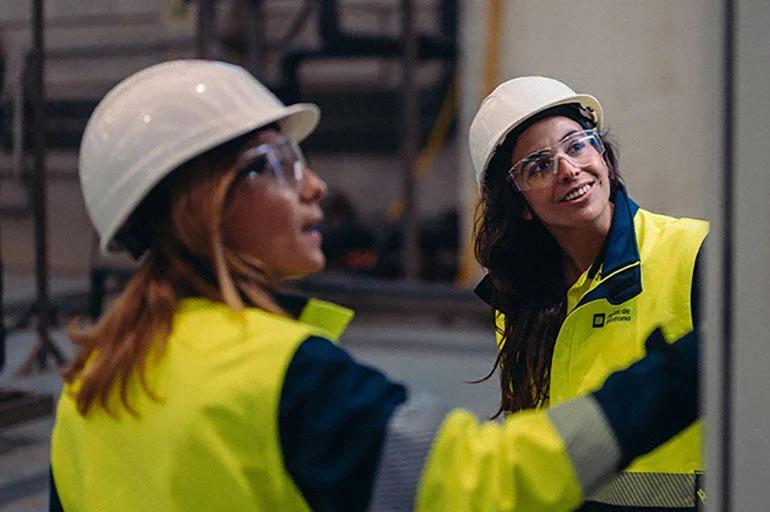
{"x": 581, "y": 246}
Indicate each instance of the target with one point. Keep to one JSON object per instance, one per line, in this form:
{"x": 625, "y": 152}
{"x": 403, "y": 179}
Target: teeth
{"x": 577, "y": 193}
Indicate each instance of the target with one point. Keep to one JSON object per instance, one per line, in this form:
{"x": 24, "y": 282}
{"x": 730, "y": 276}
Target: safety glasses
{"x": 283, "y": 160}
{"x": 539, "y": 169}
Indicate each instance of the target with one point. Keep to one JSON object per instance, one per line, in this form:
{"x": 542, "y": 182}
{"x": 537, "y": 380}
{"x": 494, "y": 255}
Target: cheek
{"x": 250, "y": 224}
{"x": 536, "y": 198}
{"x": 604, "y": 172}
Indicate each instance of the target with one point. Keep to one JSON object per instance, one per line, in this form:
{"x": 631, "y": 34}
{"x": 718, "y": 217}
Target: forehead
{"x": 543, "y": 133}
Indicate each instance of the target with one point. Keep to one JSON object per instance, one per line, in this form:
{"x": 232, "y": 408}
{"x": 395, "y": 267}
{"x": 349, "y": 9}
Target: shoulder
{"x": 654, "y": 230}
{"x": 256, "y": 346}
{"x": 199, "y": 318}
{"x": 321, "y": 368}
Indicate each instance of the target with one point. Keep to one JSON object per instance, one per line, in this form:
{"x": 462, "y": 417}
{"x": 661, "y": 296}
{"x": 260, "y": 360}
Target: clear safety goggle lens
{"x": 283, "y": 160}
{"x": 539, "y": 169}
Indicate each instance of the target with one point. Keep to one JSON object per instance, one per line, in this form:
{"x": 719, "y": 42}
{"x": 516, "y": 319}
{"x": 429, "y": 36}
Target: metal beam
{"x": 44, "y": 345}
{"x": 728, "y": 211}
{"x": 3, "y": 331}
{"x": 410, "y": 251}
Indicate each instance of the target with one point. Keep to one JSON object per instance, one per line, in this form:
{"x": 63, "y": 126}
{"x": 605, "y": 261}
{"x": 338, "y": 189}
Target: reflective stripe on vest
{"x": 672, "y": 490}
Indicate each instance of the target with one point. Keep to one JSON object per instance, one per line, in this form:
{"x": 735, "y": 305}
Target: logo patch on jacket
{"x": 619, "y": 315}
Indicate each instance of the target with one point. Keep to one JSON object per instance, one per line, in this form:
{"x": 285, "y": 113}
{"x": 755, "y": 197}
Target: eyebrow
{"x": 536, "y": 154}
{"x": 544, "y": 150}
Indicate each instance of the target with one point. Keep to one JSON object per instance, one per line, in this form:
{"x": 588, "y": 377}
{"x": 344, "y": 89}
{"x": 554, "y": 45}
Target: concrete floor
{"x": 24, "y": 448}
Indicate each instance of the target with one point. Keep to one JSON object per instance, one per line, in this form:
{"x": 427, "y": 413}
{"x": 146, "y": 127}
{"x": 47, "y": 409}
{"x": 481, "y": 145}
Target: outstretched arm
{"x": 353, "y": 440}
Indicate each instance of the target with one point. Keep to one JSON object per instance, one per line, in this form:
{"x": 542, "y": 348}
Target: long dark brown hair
{"x": 524, "y": 263}
{"x": 179, "y": 225}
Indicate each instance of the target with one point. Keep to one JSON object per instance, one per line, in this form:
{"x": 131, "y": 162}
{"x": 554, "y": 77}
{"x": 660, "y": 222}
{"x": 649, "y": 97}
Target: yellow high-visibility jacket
{"x": 643, "y": 280}
{"x": 238, "y": 425}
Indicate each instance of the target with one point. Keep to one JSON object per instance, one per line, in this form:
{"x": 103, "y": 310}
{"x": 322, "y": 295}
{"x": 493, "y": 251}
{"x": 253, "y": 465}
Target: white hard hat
{"x": 512, "y": 103}
{"x": 163, "y": 116}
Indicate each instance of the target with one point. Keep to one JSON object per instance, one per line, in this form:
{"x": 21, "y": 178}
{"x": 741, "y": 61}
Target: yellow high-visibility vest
{"x": 211, "y": 440}
{"x": 644, "y": 281}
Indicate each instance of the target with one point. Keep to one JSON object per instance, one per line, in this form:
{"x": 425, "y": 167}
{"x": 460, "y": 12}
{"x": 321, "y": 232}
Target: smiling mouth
{"x": 578, "y": 193}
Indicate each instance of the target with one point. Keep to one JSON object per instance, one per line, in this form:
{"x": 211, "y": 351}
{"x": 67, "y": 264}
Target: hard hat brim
{"x": 297, "y": 121}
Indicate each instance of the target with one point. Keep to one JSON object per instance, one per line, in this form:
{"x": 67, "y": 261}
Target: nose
{"x": 566, "y": 169}
{"x": 314, "y": 188}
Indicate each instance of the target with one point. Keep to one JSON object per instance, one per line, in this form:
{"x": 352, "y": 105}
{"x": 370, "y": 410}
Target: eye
{"x": 536, "y": 167}
{"x": 577, "y": 146}
{"x": 252, "y": 170}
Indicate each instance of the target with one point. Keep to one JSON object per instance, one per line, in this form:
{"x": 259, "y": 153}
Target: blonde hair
{"x": 187, "y": 256}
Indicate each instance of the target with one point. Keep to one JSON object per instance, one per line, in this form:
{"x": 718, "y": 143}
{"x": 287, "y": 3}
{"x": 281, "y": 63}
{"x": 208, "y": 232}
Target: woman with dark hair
{"x": 204, "y": 388}
{"x": 578, "y": 274}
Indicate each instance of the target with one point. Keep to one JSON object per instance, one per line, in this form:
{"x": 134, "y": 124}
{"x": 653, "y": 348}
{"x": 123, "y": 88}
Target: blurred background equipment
{"x": 657, "y": 65}
{"x": 347, "y": 244}
{"x": 18, "y": 406}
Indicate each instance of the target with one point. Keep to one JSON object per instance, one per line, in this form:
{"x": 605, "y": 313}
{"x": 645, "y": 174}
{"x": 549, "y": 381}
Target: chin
{"x": 318, "y": 266}
{"x": 307, "y": 268}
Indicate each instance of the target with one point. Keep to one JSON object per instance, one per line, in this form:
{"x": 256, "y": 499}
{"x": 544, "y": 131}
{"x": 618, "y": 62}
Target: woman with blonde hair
{"x": 204, "y": 388}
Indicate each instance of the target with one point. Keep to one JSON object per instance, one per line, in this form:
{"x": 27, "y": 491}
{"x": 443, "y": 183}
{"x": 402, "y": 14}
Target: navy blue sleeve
{"x": 332, "y": 421}
{"x": 663, "y": 390}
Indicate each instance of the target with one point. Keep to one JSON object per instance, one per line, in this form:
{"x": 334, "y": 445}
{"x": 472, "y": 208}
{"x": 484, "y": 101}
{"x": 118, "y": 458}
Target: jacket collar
{"x": 327, "y": 318}
{"x": 620, "y": 251}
